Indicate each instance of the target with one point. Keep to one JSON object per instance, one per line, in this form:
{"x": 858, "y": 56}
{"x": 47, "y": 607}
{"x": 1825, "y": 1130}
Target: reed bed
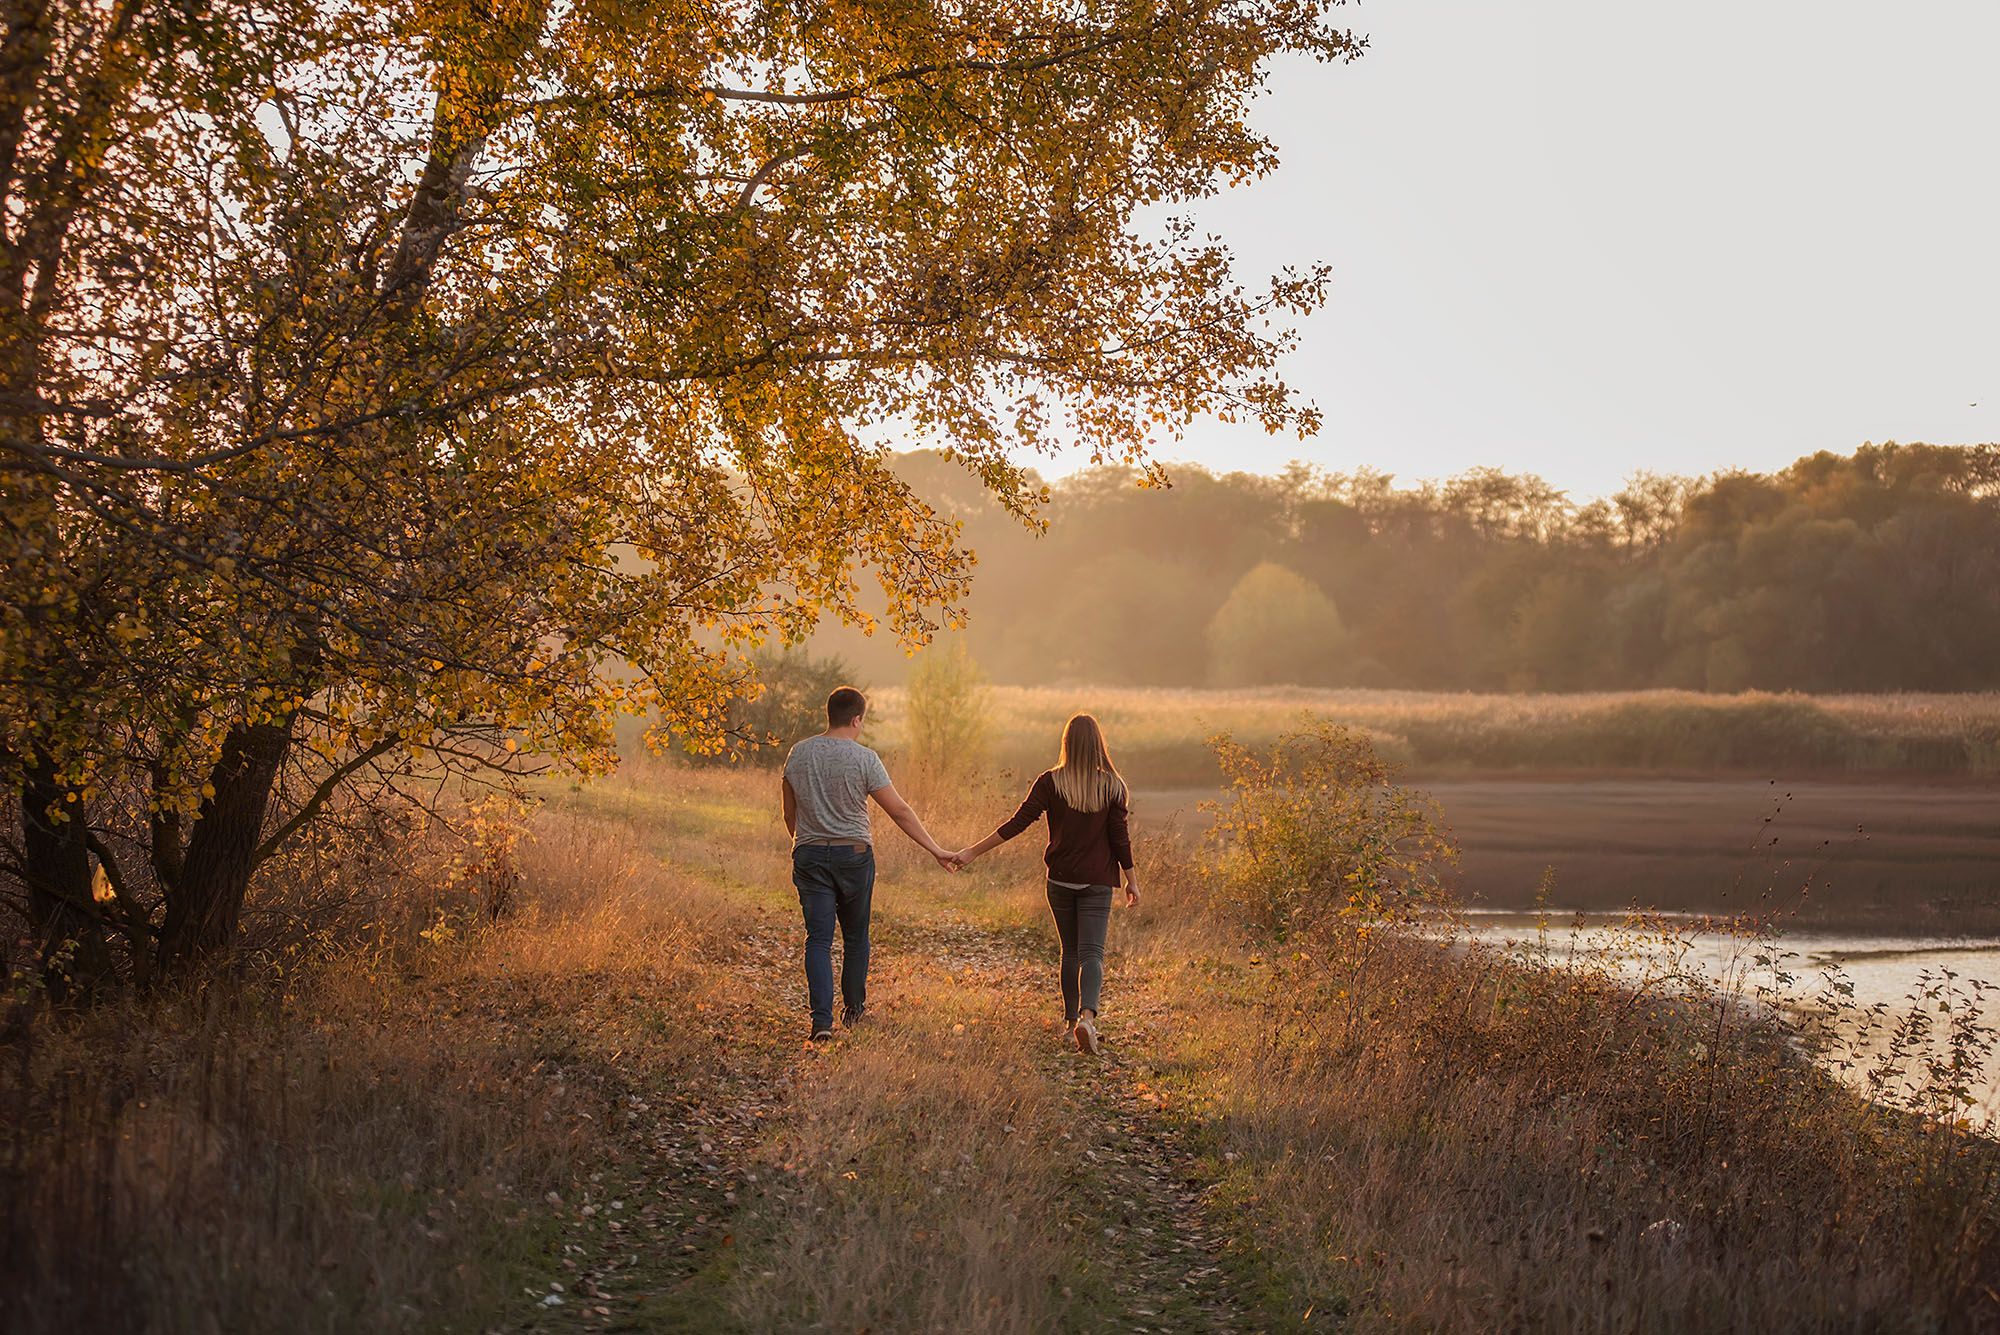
{"x": 1417, "y": 1134}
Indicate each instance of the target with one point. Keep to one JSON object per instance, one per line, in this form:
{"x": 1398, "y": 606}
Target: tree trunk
{"x": 205, "y": 901}
{"x": 56, "y": 860}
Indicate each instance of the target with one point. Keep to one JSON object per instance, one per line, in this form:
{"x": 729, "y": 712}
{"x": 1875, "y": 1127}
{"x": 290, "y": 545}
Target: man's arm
{"x": 911, "y": 824}
{"x": 791, "y": 809}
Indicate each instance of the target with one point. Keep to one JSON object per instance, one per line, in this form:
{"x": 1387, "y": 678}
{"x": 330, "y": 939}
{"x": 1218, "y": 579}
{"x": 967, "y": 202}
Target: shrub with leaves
{"x": 1316, "y": 830}
{"x": 948, "y": 727}
{"x": 788, "y": 703}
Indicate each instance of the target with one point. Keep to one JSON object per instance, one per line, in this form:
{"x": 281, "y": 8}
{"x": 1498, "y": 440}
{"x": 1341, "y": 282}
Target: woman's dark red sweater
{"x": 1085, "y": 847}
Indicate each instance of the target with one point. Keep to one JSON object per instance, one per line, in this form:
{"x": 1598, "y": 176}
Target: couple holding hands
{"x": 828, "y": 781}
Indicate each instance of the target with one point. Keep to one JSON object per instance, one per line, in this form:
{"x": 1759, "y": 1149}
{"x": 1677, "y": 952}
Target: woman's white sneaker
{"x": 1086, "y": 1034}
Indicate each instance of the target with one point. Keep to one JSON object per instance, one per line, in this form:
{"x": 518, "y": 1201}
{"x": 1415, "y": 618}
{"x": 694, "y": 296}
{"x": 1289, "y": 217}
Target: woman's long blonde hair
{"x": 1085, "y": 776}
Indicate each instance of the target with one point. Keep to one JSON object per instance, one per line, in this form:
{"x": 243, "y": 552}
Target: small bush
{"x": 946, "y": 727}
{"x": 1316, "y": 829}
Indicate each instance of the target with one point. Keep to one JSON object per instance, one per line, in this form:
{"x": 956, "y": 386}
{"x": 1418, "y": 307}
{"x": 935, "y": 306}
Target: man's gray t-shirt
{"x": 832, "y": 777}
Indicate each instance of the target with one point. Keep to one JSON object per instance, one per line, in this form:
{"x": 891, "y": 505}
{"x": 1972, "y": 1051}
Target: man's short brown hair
{"x": 844, "y": 706}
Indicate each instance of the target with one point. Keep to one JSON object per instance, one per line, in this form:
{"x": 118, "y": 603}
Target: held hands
{"x": 953, "y": 862}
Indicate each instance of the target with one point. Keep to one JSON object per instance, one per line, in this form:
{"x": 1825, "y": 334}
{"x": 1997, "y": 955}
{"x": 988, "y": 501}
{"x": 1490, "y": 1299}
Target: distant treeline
{"x": 1878, "y": 570}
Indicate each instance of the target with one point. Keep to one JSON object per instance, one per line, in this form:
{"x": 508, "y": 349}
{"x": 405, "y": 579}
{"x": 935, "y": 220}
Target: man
{"x": 828, "y": 781}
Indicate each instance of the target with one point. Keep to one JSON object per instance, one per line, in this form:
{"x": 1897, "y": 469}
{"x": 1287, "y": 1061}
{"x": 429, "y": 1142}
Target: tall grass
{"x": 359, "y": 1138}
{"x": 1433, "y": 1140}
{"x": 1431, "y": 1135}
{"x": 925, "y": 1181}
{"x": 1160, "y": 735}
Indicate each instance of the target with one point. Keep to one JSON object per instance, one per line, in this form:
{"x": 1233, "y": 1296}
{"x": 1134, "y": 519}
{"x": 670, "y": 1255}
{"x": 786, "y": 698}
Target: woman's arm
{"x": 1030, "y": 810}
{"x": 965, "y": 855}
{"x": 1118, "y": 832}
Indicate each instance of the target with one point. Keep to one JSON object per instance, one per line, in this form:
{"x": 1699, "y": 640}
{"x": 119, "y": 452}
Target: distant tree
{"x": 1869, "y": 571}
{"x": 1649, "y": 508}
{"x": 1276, "y": 628}
{"x": 1120, "y": 619}
{"x": 947, "y": 726}
{"x": 784, "y": 702}
{"x": 1558, "y": 636}
{"x": 1504, "y": 505}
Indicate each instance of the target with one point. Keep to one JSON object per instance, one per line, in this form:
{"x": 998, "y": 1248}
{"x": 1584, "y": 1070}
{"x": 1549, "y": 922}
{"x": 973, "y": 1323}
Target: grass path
{"x": 637, "y": 1247}
{"x": 1137, "y": 1208}
{"x": 950, "y": 1164}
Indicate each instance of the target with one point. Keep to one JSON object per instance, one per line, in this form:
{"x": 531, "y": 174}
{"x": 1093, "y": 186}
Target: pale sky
{"x": 1584, "y": 237}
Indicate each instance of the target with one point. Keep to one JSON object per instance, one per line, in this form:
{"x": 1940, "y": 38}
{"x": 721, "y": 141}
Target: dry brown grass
{"x": 927, "y": 1173}
{"x": 1421, "y": 1137}
{"x": 1397, "y": 1135}
{"x": 362, "y": 1144}
{"x": 918, "y": 1176}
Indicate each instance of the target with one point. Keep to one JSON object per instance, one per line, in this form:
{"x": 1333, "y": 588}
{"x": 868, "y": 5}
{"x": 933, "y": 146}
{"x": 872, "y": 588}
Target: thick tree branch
{"x": 321, "y": 795}
{"x": 131, "y": 922}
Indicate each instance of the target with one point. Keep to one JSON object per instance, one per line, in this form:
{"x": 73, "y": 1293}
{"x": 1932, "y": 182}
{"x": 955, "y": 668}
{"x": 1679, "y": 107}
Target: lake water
{"x": 1878, "y": 880}
{"x": 1789, "y": 969}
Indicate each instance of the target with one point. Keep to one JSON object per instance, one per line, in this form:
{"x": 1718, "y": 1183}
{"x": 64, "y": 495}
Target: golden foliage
{"x": 421, "y": 382}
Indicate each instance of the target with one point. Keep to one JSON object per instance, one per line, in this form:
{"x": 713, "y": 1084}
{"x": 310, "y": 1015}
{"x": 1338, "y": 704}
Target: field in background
{"x": 1159, "y": 735}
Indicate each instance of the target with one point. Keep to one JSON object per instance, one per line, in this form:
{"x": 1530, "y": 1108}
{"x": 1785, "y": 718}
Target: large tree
{"x": 395, "y": 383}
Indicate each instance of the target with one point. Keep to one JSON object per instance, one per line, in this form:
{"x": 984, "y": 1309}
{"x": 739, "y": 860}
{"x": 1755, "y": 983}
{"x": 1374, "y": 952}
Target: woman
{"x": 1089, "y": 844}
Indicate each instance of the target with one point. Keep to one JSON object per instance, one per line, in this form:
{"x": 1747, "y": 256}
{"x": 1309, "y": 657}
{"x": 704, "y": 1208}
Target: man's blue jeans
{"x": 836, "y": 885}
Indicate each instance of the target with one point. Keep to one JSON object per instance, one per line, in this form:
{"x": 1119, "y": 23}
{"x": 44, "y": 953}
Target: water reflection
{"x": 1803, "y": 971}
